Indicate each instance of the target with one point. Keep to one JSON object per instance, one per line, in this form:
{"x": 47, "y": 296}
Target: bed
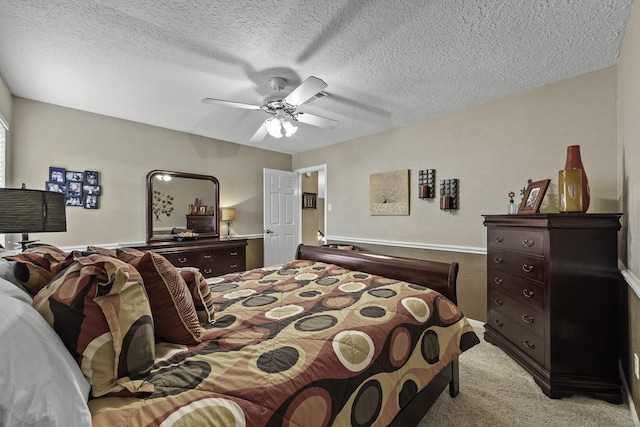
{"x": 334, "y": 337}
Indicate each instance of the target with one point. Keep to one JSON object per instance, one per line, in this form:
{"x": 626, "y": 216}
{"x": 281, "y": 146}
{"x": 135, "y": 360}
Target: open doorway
{"x": 313, "y": 215}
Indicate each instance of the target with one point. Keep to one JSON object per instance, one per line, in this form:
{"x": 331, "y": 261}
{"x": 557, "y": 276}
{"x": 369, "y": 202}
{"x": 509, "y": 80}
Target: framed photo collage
{"x": 81, "y": 189}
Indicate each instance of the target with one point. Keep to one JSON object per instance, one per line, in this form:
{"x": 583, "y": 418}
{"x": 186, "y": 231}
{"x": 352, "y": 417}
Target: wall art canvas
{"x": 389, "y": 193}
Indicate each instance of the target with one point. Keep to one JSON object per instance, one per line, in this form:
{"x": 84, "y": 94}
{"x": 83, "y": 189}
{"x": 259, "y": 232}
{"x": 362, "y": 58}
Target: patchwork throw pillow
{"x": 199, "y": 289}
{"x": 36, "y": 266}
{"x": 99, "y": 308}
{"x": 171, "y": 303}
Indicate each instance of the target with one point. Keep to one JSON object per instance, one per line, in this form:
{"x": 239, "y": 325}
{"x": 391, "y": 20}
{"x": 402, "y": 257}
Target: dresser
{"x": 214, "y": 257}
{"x": 202, "y": 223}
{"x": 552, "y": 299}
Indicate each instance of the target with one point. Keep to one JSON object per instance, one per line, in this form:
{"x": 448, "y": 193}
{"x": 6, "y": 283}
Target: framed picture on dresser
{"x": 532, "y": 197}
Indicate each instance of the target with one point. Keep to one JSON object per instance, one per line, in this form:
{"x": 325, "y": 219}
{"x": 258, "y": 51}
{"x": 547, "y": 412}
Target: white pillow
{"x": 41, "y": 383}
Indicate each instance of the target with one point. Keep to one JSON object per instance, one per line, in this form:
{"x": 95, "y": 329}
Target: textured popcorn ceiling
{"x": 388, "y": 63}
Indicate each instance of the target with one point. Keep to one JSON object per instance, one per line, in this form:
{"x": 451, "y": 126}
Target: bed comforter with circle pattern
{"x": 300, "y": 344}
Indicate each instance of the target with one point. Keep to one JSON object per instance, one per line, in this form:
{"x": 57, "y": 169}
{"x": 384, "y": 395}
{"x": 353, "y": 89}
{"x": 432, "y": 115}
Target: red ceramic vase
{"x": 574, "y": 161}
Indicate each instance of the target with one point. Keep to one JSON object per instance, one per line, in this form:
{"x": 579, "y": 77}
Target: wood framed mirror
{"x": 170, "y": 205}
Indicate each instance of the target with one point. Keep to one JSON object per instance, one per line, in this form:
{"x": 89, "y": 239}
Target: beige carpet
{"x": 495, "y": 391}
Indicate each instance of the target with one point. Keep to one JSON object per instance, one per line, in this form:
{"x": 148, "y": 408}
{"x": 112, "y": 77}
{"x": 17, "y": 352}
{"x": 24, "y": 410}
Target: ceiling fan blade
{"x": 260, "y": 134}
{"x": 306, "y": 90}
{"x": 314, "y": 120}
{"x": 230, "y": 104}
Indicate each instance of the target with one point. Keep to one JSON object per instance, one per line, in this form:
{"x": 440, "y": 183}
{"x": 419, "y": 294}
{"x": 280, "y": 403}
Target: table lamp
{"x": 228, "y": 215}
{"x": 31, "y": 211}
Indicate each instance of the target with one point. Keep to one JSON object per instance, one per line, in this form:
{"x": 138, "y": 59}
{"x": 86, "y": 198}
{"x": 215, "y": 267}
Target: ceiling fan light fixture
{"x": 274, "y": 127}
{"x": 283, "y": 108}
{"x": 289, "y": 128}
{"x": 279, "y": 123}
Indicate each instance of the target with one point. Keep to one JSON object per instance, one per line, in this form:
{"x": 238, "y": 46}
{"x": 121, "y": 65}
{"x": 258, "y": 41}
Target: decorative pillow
{"x": 6, "y": 273}
{"x": 35, "y": 267}
{"x": 42, "y": 385}
{"x": 98, "y": 306}
{"x": 199, "y": 289}
{"x": 103, "y": 251}
{"x": 171, "y": 303}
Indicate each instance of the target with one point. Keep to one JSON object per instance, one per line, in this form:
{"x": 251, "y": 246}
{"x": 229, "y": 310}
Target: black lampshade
{"x": 31, "y": 211}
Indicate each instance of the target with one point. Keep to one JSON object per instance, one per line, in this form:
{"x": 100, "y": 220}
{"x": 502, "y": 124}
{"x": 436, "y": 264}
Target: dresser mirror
{"x": 171, "y": 197}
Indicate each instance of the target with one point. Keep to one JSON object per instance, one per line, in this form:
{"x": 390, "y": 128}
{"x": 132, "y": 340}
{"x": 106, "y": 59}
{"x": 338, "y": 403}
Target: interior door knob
{"x": 268, "y": 231}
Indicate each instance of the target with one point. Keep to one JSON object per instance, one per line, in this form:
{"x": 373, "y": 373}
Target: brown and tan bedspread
{"x": 300, "y": 344}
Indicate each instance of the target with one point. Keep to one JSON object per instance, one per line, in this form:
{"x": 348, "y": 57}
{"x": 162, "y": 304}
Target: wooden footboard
{"x": 438, "y": 276}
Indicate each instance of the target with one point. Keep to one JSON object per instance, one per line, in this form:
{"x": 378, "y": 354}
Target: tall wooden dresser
{"x": 552, "y": 299}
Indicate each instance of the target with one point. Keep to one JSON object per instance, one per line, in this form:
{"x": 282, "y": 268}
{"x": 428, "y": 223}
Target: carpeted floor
{"x": 495, "y": 391}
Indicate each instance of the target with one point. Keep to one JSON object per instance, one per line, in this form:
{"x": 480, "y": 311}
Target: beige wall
{"x": 629, "y": 190}
{"x": 491, "y": 148}
{"x": 629, "y": 137}
{"x": 124, "y": 152}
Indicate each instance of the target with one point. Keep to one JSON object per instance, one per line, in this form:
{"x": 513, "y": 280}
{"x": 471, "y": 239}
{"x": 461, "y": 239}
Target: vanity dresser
{"x": 183, "y": 223}
{"x": 213, "y": 256}
{"x": 552, "y": 299}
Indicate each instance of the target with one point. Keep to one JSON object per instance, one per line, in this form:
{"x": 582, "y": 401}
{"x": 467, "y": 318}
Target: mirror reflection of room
{"x": 172, "y": 199}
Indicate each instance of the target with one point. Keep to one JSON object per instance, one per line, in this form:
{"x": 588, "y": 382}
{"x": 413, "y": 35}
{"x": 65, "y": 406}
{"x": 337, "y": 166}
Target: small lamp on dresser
{"x": 31, "y": 211}
{"x": 228, "y": 215}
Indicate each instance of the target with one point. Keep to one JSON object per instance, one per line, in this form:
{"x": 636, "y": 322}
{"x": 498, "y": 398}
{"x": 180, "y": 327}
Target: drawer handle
{"x": 208, "y": 271}
{"x": 499, "y": 239}
{"x": 527, "y": 293}
{"x": 498, "y": 301}
{"x": 182, "y": 260}
{"x": 499, "y": 323}
{"x": 527, "y": 268}
{"x": 233, "y": 266}
{"x": 498, "y": 260}
{"x": 207, "y": 256}
{"x": 233, "y": 253}
{"x": 498, "y": 281}
{"x": 528, "y": 319}
{"x": 528, "y": 243}
{"x": 529, "y": 345}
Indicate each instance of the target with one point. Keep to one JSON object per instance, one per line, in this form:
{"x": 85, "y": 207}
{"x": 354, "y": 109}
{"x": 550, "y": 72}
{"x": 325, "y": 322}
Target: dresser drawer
{"x": 527, "y": 266}
{"x": 527, "y": 241}
{"x": 216, "y": 262}
{"x": 527, "y": 316}
{"x": 182, "y": 259}
{"x": 525, "y": 340}
{"x": 230, "y": 261}
{"x": 208, "y": 269}
{"x": 201, "y": 223}
{"x": 522, "y": 289}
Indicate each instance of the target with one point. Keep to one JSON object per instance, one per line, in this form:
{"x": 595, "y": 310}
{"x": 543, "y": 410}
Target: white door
{"x": 281, "y": 216}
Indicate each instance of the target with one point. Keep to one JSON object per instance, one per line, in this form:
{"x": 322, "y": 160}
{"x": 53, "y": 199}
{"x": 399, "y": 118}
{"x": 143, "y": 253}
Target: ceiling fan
{"x": 283, "y": 107}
